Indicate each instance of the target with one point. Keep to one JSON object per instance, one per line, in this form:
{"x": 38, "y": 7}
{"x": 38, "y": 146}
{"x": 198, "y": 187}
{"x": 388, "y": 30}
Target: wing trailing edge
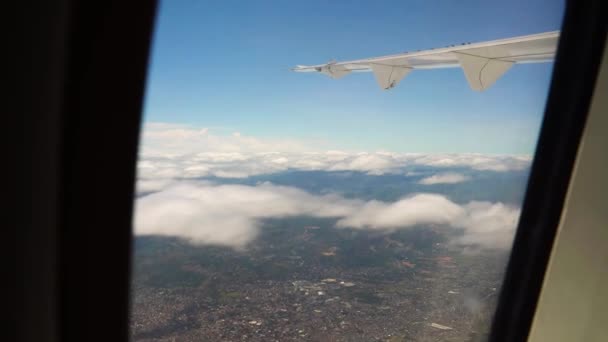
{"x": 483, "y": 63}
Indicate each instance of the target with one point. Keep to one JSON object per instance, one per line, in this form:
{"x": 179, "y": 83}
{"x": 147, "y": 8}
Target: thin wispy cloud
{"x": 444, "y": 178}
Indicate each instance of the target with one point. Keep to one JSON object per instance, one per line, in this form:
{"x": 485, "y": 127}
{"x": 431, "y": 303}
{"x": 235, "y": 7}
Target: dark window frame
{"x": 577, "y": 63}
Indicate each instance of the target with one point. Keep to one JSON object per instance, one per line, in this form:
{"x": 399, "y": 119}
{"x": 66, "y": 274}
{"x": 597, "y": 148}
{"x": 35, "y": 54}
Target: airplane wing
{"x": 483, "y": 63}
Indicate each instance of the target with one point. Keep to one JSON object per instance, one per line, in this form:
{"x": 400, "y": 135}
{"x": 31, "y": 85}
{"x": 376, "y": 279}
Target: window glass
{"x": 279, "y": 205}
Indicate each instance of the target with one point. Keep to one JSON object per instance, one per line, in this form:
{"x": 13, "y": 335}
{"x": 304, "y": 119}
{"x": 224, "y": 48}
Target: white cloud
{"x": 164, "y": 139}
{"x": 371, "y": 163}
{"x": 186, "y": 151}
{"x": 231, "y": 215}
{"x": 176, "y": 151}
{"x": 242, "y": 165}
{"x": 407, "y": 212}
{"x": 444, "y": 178}
{"x": 145, "y": 186}
{"x": 476, "y": 161}
{"x": 227, "y": 214}
{"x": 488, "y": 224}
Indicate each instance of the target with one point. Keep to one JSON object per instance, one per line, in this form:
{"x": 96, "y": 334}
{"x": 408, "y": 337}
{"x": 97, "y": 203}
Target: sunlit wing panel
{"x": 483, "y": 63}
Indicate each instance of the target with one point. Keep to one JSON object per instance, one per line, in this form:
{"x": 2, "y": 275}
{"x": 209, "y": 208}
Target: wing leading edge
{"x": 483, "y": 63}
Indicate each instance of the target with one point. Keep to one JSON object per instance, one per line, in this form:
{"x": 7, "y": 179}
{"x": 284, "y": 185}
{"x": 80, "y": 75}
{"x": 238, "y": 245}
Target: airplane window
{"x": 334, "y": 171}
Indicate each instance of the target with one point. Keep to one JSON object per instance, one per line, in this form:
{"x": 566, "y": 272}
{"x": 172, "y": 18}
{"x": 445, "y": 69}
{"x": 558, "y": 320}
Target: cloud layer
{"x": 174, "y": 202}
{"x": 175, "y": 151}
{"x": 231, "y": 215}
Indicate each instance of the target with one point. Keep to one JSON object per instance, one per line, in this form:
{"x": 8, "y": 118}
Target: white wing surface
{"x": 483, "y": 63}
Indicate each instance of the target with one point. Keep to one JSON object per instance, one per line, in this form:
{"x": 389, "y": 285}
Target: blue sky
{"x": 225, "y": 65}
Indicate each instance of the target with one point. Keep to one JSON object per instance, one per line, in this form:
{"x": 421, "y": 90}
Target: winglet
{"x": 388, "y": 76}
